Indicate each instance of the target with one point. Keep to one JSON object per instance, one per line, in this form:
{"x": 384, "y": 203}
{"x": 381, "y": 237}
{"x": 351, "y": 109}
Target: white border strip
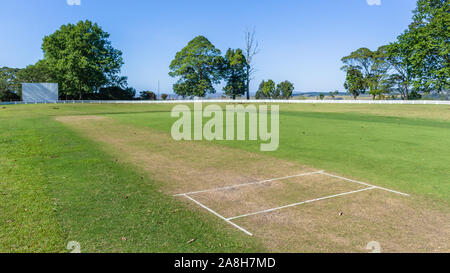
{"x": 300, "y": 203}
{"x": 365, "y": 184}
{"x": 218, "y": 215}
{"x": 249, "y": 184}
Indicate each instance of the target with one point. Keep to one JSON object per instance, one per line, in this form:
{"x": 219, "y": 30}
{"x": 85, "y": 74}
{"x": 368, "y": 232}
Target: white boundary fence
{"x": 421, "y": 102}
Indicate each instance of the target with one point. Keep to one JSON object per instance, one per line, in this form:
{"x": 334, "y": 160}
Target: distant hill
{"x": 315, "y": 94}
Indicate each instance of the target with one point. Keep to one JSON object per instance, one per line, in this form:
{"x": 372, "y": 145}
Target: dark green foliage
{"x": 355, "y": 83}
{"x": 148, "y": 95}
{"x": 115, "y": 93}
{"x": 428, "y": 40}
{"x": 269, "y": 90}
{"x": 9, "y": 96}
{"x": 285, "y": 89}
{"x": 234, "y": 73}
{"x": 333, "y": 94}
{"x": 9, "y": 84}
{"x": 37, "y": 73}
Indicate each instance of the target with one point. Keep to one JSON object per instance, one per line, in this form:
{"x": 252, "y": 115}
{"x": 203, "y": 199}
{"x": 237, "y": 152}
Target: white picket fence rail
{"x": 420, "y": 102}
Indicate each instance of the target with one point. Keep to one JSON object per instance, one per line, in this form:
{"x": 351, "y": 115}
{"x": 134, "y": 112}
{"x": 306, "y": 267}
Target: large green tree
{"x": 9, "y": 84}
{"x": 115, "y": 93}
{"x": 235, "y": 73}
{"x": 199, "y": 66}
{"x": 361, "y": 59}
{"x": 428, "y": 42}
{"x": 371, "y": 66}
{"x": 401, "y": 77}
{"x": 267, "y": 90}
{"x": 82, "y": 59}
{"x": 36, "y": 73}
{"x": 417, "y": 62}
{"x": 355, "y": 83}
{"x": 285, "y": 89}
{"x": 148, "y": 95}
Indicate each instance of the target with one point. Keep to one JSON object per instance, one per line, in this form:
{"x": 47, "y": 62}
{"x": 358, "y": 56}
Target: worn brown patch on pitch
{"x": 183, "y": 166}
{"x": 349, "y": 223}
{"x": 252, "y": 198}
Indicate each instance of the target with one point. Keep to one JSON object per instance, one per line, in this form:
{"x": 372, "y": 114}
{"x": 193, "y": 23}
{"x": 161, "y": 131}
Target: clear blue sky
{"x": 301, "y": 40}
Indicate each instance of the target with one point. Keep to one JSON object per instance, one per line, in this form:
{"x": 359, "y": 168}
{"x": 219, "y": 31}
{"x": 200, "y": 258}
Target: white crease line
{"x": 218, "y": 215}
{"x": 301, "y": 203}
{"x": 362, "y": 183}
{"x": 248, "y": 184}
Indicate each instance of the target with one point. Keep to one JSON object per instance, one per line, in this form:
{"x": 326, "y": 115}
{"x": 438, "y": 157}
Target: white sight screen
{"x": 39, "y": 92}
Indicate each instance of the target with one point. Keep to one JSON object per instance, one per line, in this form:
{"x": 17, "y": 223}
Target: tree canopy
{"x": 285, "y": 89}
{"x": 82, "y": 59}
{"x": 9, "y": 84}
{"x": 267, "y": 90}
{"x": 355, "y": 83}
{"x": 417, "y": 62}
{"x": 148, "y": 95}
{"x": 428, "y": 40}
{"x": 400, "y": 70}
{"x": 234, "y": 73}
{"x": 372, "y": 68}
{"x": 199, "y": 66}
{"x": 115, "y": 93}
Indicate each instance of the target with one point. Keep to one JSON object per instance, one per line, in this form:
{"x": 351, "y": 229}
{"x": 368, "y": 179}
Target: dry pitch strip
{"x": 222, "y": 201}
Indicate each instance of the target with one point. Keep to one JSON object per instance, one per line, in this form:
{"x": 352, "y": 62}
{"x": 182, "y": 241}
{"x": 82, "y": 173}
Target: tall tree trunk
{"x": 251, "y": 49}
{"x": 247, "y": 82}
{"x": 406, "y": 93}
{"x": 248, "y": 90}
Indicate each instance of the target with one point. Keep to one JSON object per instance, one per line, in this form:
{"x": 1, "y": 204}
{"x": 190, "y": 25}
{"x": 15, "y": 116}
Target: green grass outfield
{"x": 56, "y": 186}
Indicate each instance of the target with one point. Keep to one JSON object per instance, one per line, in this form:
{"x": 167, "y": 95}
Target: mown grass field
{"x": 57, "y": 185}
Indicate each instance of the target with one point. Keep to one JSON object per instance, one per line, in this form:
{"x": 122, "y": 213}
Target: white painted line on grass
{"x": 218, "y": 215}
{"x": 365, "y": 184}
{"x": 249, "y": 184}
{"x": 300, "y": 203}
